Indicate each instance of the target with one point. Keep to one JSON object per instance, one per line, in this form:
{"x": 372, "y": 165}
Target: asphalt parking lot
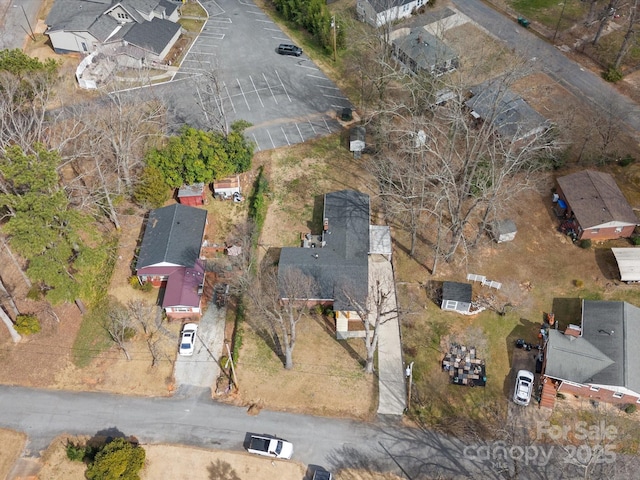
{"x": 287, "y": 99}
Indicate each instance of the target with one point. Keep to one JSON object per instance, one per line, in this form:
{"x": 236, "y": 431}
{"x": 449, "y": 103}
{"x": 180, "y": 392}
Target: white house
{"x": 382, "y": 12}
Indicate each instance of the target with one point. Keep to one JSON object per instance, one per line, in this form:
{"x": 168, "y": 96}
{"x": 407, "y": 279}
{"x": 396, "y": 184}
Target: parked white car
{"x": 270, "y": 446}
{"x": 524, "y": 387}
{"x": 188, "y": 340}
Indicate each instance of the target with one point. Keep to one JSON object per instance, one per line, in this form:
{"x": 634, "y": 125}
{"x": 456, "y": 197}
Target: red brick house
{"x": 600, "y": 359}
{"x": 593, "y": 206}
{"x": 169, "y": 257}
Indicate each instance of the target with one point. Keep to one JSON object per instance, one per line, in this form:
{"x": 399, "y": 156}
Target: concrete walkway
{"x": 392, "y": 396}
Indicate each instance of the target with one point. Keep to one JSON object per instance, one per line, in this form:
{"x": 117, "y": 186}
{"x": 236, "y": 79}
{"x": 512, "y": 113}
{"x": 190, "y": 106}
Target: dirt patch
{"x": 11, "y": 447}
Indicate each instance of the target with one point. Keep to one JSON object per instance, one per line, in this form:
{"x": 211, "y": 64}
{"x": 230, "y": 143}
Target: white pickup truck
{"x": 270, "y": 446}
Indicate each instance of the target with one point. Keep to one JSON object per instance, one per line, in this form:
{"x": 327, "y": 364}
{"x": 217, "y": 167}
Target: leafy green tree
{"x": 151, "y": 190}
{"x": 18, "y": 63}
{"x": 198, "y": 156}
{"x": 117, "y": 460}
{"x": 42, "y": 226}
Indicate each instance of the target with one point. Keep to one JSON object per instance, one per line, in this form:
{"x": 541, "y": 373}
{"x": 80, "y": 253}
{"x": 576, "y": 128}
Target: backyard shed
{"x": 356, "y": 139}
{"x": 192, "y": 195}
{"x": 628, "y": 263}
{"x": 226, "y": 187}
{"x": 504, "y": 230}
{"x": 456, "y": 296}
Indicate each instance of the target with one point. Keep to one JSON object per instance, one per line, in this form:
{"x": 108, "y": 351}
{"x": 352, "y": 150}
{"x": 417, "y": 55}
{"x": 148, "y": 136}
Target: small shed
{"x": 192, "y": 195}
{"x": 356, "y": 139}
{"x": 628, "y": 263}
{"x": 226, "y": 187}
{"x": 456, "y": 296}
{"x": 503, "y": 230}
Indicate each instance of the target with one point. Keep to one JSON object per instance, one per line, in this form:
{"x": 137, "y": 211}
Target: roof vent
{"x": 606, "y": 332}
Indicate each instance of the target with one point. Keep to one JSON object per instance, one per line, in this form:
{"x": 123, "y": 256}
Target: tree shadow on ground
{"x": 221, "y": 470}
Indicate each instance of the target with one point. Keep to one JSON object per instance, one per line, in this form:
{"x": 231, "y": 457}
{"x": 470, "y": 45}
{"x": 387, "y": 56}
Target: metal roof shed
{"x": 628, "y": 263}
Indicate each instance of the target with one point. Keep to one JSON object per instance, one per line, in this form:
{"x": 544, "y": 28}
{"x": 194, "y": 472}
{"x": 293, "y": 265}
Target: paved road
{"x": 17, "y": 19}
{"x": 332, "y": 443}
{"x": 578, "y": 80}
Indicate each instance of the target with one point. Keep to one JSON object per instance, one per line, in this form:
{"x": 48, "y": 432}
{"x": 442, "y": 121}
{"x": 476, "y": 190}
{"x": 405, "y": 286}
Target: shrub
{"x": 586, "y": 244}
{"x": 134, "y": 282}
{"x": 146, "y": 287}
{"x": 635, "y": 240}
{"x": 630, "y": 408}
{"x": 578, "y": 283}
{"x": 76, "y": 453}
{"x": 238, "y": 330}
{"x": 34, "y": 293}
{"x": 626, "y": 160}
{"x": 27, "y": 324}
{"x": 117, "y": 460}
{"x": 560, "y": 396}
{"x": 612, "y": 74}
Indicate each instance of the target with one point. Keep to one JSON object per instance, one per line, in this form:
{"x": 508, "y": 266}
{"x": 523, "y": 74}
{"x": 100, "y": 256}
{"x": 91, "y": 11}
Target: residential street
{"x": 332, "y": 443}
{"x": 578, "y": 80}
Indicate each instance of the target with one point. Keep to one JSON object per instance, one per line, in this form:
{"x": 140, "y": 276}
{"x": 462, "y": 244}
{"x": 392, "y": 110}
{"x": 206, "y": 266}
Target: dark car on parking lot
{"x": 288, "y": 49}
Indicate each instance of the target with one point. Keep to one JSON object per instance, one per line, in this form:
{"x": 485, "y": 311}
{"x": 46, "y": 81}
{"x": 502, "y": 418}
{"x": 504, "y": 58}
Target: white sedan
{"x": 188, "y": 340}
{"x": 524, "y": 387}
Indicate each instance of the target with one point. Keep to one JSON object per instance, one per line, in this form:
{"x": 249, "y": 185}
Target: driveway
{"x": 392, "y": 392}
{"x": 288, "y": 100}
{"x": 201, "y": 369}
{"x": 578, "y": 80}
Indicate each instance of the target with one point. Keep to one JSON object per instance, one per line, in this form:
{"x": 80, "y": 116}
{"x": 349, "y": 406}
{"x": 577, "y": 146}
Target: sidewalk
{"x": 392, "y": 396}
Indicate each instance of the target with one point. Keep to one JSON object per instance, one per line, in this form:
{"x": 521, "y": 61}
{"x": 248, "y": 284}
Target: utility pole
{"x": 564, "y": 4}
{"x": 33, "y": 35}
{"x": 409, "y": 374}
{"x": 233, "y": 370}
{"x": 333, "y": 28}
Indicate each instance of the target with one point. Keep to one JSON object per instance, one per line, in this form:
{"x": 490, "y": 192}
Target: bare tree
{"x": 149, "y": 318}
{"x": 629, "y": 36}
{"x": 604, "y": 18}
{"x": 282, "y": 297}
{"x": 374, "y": 310}
{"x": 463, "y": 169}
{"x": 15, "y": 336}
{"x": 119, "y": 326}
{"x": 213, "y": 98}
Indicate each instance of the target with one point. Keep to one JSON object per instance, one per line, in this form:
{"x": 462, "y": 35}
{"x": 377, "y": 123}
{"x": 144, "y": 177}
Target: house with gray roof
{"x": 509, "y": 114}
{"x": 599, "y": 359}
{"x": 422, "y": 52}
{"x": 169, "y": 257}
{"x": 87, "y": 25}
{"x": 338, "y": 258}
{"x": 382, "y": 12}
{"x": 456, "y": 296}
{"x": 593, "y": 206}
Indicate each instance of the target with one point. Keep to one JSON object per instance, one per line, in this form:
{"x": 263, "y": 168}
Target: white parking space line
{"x": 285, "y": 136}
{"x": 272, "y": 29}
{"x": 268, "y": 85}
{"x": 281, "y": 39}
{"x": 316, "y": 76}
{"x": 195, "y": 61}
{"x": 265, "y": 21}
{"x": 337, "y": 106}
{"x": 219, "y": 20}
{"x": 256, "y": 141}
{"x": 256, "y": 13}
{"x": 299, "y": 132}
{"x": 270, "y": 138}
{"x": 245, "y": 98}
{"x": 312, "y": 128}
{"x": 328, "y": 88}
{"x": 333, "y": 96}
{"x": 256, "y": 90}
{"x": 326, "y": 125}
{"x": 215, "y": 36}
{"x": 310, "y": 68}
{"x": 283, "y": 87}
{"x": 229, "y": 97}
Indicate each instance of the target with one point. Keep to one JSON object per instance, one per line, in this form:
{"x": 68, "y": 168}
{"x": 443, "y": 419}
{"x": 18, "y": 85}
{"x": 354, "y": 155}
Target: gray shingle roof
{"x": 383, "y": 5}
{"x": 343, "y": 262}
{"x": 460, "y": 292}
{"x": 596, "y": 199}
{"x": 510, "y": 115}
{"x": 607, "y": 353}
{"x": 425, "y": 49}
{"x": 78, "y": 16}
{"x": 152, "y": 36}
{"x": 172, "y": 235}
